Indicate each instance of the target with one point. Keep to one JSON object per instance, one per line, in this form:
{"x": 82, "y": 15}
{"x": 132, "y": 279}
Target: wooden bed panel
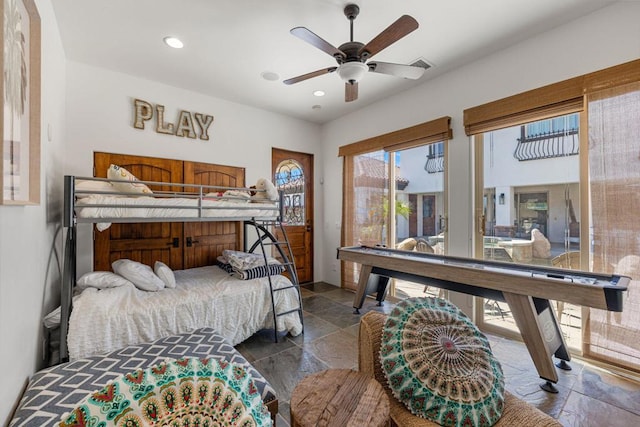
{"x": 142, "y": 242}
{"x": 197, "y": 244}
{"x": 209, "y": 239}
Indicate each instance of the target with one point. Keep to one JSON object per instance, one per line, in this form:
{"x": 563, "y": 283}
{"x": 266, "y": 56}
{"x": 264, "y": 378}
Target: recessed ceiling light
{"x": 318, "y": 93}
{"x": 173, "y": 42}
{"x": 270, "y": 75}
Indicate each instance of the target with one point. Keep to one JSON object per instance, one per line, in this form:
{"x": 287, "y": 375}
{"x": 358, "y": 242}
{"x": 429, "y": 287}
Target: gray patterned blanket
{"x": 57, "y": 390}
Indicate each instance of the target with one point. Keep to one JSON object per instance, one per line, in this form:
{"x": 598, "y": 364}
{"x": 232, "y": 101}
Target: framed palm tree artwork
{"x": 20, "y": 88}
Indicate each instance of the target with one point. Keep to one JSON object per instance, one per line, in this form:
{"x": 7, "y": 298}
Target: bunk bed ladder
{"x": 271, "y": 234}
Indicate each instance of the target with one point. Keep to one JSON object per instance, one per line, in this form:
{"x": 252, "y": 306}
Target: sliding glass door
{"x": 529, "y": 182}
{"x": 394, "y": 194}
{"x": 534, "y": 182}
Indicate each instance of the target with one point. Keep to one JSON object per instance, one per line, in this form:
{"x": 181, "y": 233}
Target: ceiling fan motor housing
{"x": 350, "y": 50}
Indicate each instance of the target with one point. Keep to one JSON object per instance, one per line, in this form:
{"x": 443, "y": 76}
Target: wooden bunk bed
{"x": 186, "y": 223}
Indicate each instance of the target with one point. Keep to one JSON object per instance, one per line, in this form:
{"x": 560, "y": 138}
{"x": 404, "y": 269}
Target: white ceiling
{"x": 229, "y": 43}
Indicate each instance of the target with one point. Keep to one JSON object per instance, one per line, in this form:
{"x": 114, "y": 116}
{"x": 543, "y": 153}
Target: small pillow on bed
{"x": 101, "y": 280}
{"x": 237, "y": 195}
{"x": 93, "y": 186}
{"x": 165, "y": 274}
{"x": 133, "y": 186}
{"x": 140, "y": 274}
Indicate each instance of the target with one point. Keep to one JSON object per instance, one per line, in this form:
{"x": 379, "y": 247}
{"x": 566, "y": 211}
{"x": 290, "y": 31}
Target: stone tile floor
{"x": 588, "y": 395}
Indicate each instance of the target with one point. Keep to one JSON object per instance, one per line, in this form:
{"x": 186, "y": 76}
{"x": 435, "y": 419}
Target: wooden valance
{"x": 414, "y": 136}
{"x": 564, "y": 97}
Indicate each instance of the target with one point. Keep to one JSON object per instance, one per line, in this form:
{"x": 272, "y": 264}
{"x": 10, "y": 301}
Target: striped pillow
{"x": 252, "y": 273}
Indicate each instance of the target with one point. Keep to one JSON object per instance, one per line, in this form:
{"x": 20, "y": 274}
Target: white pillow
{"x": 101, "y": 280}
{"x": 133, "y": 186}
{"x": 92, "y": 186}
{"x": 165, "y": 274}
{"x": 140, "y": 274}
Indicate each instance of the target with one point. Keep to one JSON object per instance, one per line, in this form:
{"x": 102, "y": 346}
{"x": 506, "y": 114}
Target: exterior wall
{"x": 412, "y": 164}
{"x": 502, "y": 169}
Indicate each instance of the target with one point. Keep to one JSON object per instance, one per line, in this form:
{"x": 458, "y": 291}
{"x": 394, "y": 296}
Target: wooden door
{"x": 428, "y": 215}
{"x": 413, "y": 215}
{"x": 142, "y": 242}
{"x": 205, "y": 241}
{"x": 293, "y": 173}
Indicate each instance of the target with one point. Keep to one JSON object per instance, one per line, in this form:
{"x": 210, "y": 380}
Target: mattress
{"x": 108, "y": 319}
{"x": 113, "y": 207}
{"x": 57, "y": 390}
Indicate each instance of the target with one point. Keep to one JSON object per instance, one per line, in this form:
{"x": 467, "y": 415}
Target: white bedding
{"x": 105, "y": 320}
{"x": 153, "y": 207}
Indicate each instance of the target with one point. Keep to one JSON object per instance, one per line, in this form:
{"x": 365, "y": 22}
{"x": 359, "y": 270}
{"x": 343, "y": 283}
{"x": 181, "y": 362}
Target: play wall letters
{"x": 189, "y": 124}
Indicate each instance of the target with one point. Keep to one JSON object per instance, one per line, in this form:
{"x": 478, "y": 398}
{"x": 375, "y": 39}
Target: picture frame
{"x": 20, "y": 89}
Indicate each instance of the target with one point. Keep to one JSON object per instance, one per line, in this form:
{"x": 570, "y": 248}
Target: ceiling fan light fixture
{"x": 352, "y": 72}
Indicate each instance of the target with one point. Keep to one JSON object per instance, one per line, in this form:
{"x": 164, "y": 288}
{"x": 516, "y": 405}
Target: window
{"x": 545, "y": 139}
{"x": 385, "y": 184}
{"x": 290, "y": 178}
{"x": 601, "y": 206}
{"x": 529, "y": 215}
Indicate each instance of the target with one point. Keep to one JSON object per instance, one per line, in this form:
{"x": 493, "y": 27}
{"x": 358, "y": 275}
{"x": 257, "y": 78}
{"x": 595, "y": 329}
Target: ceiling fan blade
{"x": 397, "y": 70}
{"x": 309, "y": 75}
{"x": 394, "y": 32}
{"x": 317, "y": 41}
{"x": 350, "y": 91}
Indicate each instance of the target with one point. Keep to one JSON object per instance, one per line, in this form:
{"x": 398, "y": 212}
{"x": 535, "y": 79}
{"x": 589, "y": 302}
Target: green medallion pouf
{"x": 179, "y": 393}
{"x": 440, "y": 365}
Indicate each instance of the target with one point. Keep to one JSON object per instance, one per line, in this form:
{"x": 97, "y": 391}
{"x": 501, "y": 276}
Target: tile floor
{"x": 588, "y": 396}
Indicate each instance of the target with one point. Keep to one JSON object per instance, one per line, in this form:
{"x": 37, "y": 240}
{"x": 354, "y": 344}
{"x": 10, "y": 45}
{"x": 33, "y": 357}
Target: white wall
{"x": 605, "y": 38}
{"x": 100, "y": 118}
{"x": 30, "y": 242}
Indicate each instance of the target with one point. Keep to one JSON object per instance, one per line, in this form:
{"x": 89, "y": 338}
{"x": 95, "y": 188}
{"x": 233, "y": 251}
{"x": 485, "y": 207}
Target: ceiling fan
{"x": 352, "y": 55}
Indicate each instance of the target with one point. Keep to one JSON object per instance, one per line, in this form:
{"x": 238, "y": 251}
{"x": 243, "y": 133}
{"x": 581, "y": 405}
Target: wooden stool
{"x": 340, "y": 398}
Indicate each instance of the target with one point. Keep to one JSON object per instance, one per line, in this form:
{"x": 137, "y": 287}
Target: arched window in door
{"x": 289, "y": 177}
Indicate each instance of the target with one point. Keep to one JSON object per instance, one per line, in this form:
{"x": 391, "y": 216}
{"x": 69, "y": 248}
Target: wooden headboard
{"x": 179, "y": 245}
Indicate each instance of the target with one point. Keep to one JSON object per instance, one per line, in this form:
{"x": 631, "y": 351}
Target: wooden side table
{"x": 339, "y": 398}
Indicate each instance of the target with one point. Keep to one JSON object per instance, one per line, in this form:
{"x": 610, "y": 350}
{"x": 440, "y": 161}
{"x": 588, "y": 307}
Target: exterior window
{"x": 290, "y": 179}
{"x": 545, "y": 139}
{"x": 435, "y": 158}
